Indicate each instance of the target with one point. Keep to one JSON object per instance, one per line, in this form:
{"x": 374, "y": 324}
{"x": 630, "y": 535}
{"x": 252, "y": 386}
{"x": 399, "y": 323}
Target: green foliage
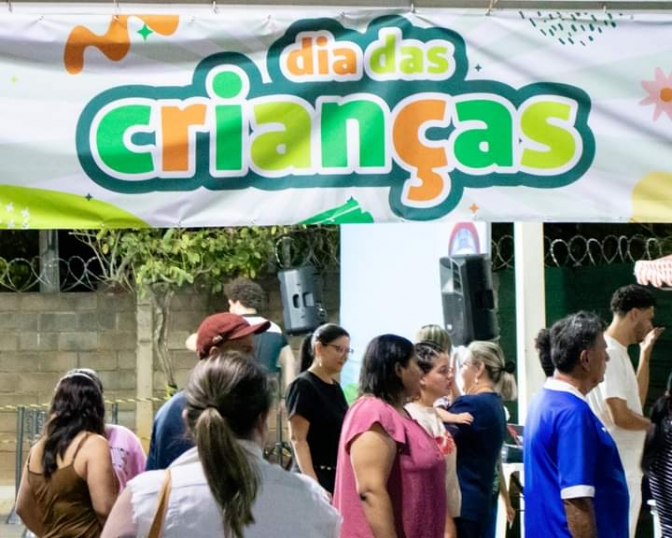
{"x": 17, "y": 259}
{"x": 157, "y": 263}
{"x": 166, "y": 260}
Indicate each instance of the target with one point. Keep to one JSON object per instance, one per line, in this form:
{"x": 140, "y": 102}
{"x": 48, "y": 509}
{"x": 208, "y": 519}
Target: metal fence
{"x": 23, "y": 274}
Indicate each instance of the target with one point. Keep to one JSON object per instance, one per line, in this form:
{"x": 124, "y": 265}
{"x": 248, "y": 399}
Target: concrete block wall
{"x": 44, "y": 335}
{"x": 189, "y": 309}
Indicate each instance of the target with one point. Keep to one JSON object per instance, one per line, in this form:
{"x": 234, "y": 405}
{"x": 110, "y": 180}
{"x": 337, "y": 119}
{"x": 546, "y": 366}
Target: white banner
{"x": 251, "y": 116}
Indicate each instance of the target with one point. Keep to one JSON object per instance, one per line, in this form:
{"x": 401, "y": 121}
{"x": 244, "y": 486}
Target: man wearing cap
{"x": 217, "y": 333}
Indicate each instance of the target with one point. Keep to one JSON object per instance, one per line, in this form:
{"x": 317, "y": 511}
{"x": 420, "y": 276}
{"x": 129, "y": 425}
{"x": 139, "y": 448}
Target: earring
{"x": 476, "y": 381}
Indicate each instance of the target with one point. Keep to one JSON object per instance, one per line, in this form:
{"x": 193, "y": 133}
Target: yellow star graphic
{"x": 14, "y": 79}
{"x": 473, "y": 208}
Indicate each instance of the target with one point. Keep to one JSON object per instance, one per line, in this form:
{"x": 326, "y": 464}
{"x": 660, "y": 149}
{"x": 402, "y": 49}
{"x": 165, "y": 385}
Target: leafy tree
{"x": 156, "y": 263}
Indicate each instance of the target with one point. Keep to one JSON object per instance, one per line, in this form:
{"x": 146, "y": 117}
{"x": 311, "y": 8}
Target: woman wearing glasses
{"x": 316, "y": 404}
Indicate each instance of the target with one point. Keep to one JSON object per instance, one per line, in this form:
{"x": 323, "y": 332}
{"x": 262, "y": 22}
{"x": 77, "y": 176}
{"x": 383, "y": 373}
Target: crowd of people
{"x": 416, "y": 455}
{"x": 586, "y": 440}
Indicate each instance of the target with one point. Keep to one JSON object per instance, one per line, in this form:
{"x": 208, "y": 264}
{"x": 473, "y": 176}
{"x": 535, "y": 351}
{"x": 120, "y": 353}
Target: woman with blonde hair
{"x": 488, "y": 379}
{"x": 436, "y": 335}
{"x": 223, "y": 486}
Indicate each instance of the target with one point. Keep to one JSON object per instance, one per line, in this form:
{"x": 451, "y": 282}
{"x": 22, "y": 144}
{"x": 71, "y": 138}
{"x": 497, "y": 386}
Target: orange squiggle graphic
{"x": 115, "y": 43}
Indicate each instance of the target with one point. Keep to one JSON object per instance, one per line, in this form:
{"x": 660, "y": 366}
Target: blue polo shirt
{"x": 569, "y": 454}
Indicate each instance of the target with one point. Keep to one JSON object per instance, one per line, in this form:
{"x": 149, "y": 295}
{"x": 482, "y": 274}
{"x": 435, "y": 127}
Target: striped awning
{"x": 657, "y": 273}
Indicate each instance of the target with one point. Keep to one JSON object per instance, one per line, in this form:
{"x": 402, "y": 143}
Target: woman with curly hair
{"x": 435, "y": 383}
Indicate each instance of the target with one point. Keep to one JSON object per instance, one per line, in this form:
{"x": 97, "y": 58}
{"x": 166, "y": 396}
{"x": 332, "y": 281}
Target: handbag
{"x": 161, "y": 508}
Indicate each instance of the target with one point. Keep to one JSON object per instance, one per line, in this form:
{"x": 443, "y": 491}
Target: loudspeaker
{"x": 301, "y": 295}
{"x": 468, "y": 299}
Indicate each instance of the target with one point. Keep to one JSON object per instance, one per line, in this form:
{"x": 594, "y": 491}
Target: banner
{"x": 259, "y": 117}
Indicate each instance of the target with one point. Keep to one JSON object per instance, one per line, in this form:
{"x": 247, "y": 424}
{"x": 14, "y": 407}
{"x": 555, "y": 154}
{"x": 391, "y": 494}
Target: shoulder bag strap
{"x": 161, "y": 508}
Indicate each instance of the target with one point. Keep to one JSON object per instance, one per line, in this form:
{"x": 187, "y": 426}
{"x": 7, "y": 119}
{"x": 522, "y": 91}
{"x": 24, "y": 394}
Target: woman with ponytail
{"x": 488, "y": 379}
{"x": 316, "y": 405}
{"x": 223, "y": 486}
{"x": 657, "y": 459}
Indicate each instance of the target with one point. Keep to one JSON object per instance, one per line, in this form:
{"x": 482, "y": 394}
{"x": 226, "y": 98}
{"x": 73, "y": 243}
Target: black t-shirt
{"x": 324, "y": 406}
{"x": 269, "y": 344}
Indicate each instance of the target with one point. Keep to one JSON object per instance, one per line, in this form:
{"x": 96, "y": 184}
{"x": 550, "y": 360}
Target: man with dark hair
{"x": 544, "y": 353}
{"x": 217, "y": 333}
{"x": 574, "y": 481}
{"x": 271, "y": 348}
{"x": 618, "y": 400}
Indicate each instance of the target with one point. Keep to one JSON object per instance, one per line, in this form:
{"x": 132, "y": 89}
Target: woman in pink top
{"x": 390, "y": 472}
{"x": 128, "y": 456}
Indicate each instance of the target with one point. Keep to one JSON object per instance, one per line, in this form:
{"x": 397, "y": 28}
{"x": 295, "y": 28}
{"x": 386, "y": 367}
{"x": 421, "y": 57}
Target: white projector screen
{"x": 390, "y": 279}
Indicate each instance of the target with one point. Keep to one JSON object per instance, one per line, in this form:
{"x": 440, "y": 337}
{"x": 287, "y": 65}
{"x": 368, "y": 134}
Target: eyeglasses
{"x": 342, "y": 349}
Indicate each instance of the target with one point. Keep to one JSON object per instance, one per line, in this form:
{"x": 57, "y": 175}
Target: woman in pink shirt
{"x": 390, "y": 472}
{"x": 128, "y": 456}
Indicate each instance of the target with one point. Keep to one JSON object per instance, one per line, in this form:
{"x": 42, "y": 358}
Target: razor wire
{"x": 582, "y": 251}
{"x": 26, "y": 274}
{"x": 320, "y": 247}
{"x": 315, "y": 245}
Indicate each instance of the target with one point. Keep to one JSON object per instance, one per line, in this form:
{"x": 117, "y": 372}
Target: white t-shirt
{"x": 287, "y": 504}
{"x": 620, "y": 381}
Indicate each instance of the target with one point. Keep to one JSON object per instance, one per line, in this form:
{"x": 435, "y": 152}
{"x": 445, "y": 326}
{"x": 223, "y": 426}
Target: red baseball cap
{"x": 217, "y": 328}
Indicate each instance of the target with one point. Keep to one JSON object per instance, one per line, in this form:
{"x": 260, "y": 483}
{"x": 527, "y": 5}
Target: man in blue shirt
{"x": 574, "y": 481}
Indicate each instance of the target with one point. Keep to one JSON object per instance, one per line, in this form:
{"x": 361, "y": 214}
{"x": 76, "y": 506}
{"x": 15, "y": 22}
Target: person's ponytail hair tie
{"x": 238, "y": 388}
{"x": 509, "y": 367}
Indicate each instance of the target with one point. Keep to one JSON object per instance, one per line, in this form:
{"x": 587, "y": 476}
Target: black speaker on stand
{"x": 468, "y": 299}
{"x": 301, "y": 295}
